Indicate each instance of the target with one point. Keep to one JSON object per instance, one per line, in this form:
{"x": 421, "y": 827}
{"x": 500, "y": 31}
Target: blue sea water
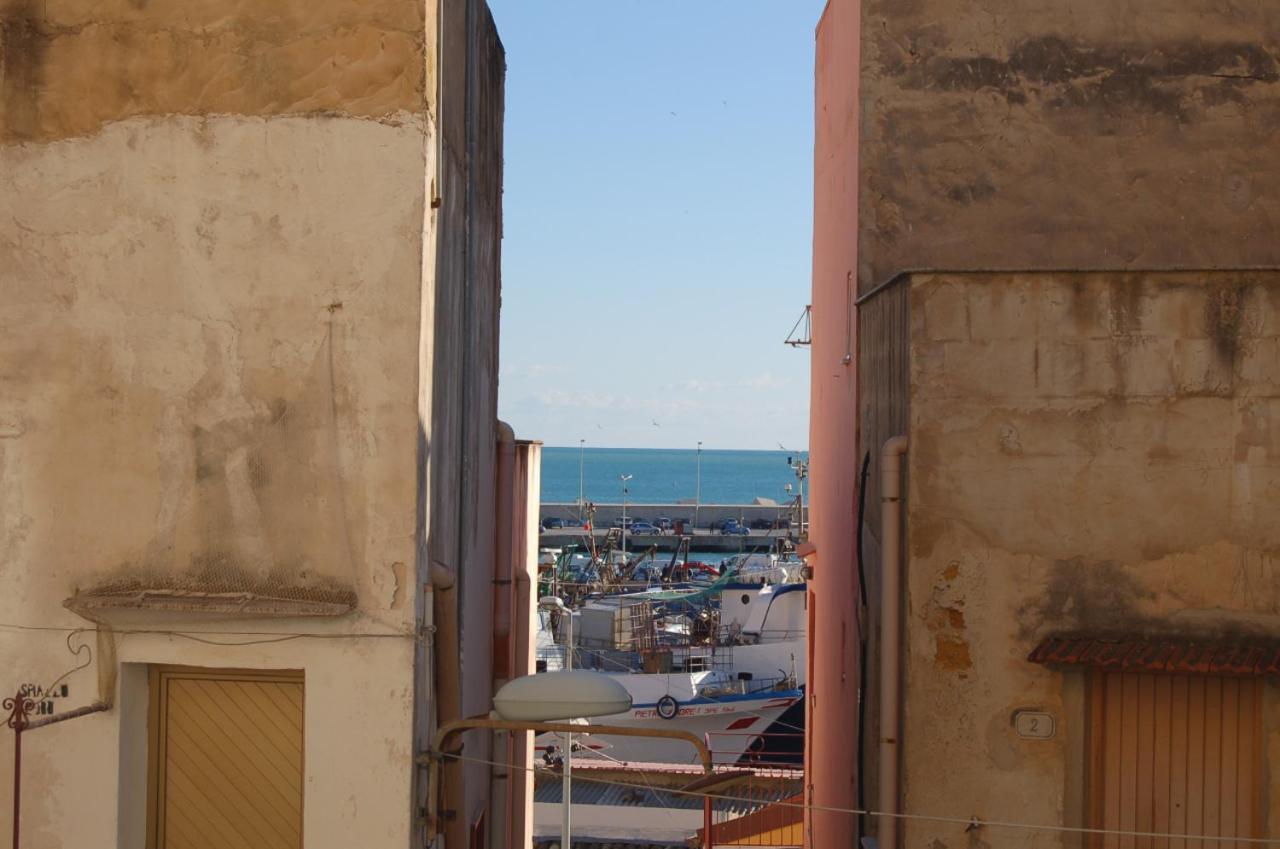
{"x": 664, "y": 476}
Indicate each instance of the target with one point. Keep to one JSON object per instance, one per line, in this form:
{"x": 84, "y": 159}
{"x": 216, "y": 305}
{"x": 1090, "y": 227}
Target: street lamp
{"x": 550, "y": 602}
{"x": 623, "y": 479}
{"x": 524, "y": 705}
{"x": 697, "y": 491}
{"x": 582, "y": 443}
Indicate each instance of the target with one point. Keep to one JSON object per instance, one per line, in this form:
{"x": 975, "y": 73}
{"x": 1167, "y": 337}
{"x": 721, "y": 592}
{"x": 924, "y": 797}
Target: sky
{"x": 657, "y": 221}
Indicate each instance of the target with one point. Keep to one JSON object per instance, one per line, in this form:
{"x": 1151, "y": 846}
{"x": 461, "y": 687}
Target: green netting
{"x": 690, "y": 595}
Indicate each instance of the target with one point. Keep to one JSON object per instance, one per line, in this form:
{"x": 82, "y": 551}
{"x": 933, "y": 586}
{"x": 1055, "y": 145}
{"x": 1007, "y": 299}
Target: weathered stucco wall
{"x": 216, "y": 259}
{"x": 1082, "y": 134}
{"x": 1089, "y": 453}
{"x": 68, "y": 67}
{"x": 183, "y": 398}
{"x": 205, "y": 354}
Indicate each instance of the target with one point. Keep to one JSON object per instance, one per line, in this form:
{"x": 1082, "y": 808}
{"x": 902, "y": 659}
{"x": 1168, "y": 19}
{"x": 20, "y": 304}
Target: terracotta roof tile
{"x": 1173, "y": 656}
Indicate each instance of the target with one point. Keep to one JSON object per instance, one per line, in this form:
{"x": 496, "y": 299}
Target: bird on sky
{"x": 655, "y": 423}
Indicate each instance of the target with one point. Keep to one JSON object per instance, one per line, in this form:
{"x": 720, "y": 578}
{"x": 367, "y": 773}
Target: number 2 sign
{"x": 1033, "y": 724}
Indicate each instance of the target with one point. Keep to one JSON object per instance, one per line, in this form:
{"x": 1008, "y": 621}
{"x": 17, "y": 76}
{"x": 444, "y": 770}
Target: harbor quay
{"x": 706, "y": 534}
{"x": 703, "y": 541}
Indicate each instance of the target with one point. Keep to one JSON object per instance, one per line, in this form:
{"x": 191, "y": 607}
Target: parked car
{"x": 733, "y": 526}
{"x": 762, "y": 524}
{"x": 643, "y": 527}
{"x": 552, "y": 523}
{"x": 619, "y": 522}
{"x": 663, "y": 524}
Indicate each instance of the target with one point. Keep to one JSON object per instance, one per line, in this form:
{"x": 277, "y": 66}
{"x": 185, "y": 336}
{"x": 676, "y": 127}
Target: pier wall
{"x": 706, "y": 514}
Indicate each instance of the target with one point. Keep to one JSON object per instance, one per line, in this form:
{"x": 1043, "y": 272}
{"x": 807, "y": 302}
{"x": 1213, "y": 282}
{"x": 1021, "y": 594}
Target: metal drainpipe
{"x": 890, "y": 635}
{"x": 501, "y": 783}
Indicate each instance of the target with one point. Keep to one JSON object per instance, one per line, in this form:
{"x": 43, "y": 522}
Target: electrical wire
{"x": 83, "y": 655}
{"x": 970, "y": 823}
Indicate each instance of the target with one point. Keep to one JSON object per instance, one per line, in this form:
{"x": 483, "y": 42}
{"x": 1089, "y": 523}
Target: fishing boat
{"x": 725, "y": 660}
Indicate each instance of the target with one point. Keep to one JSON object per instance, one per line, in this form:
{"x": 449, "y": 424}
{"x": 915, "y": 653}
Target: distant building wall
{"x": 1091, "y": 454}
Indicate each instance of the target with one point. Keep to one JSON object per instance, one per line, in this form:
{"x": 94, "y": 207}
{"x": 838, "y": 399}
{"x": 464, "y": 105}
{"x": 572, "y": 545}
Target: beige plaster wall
{"x": 208, "y": 357}
{"x": 250, "y": 329}
{"x": 1089, "y": 453}
{"x": 207, "y": 360}
{"x": 357, "y": 731}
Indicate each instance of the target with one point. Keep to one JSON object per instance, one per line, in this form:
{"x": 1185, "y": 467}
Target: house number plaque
{"x": 1034, "y": 724}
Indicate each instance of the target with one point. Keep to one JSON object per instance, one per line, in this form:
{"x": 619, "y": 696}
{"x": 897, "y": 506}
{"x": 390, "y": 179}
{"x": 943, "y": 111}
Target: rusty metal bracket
{"x": 20, "y": 707}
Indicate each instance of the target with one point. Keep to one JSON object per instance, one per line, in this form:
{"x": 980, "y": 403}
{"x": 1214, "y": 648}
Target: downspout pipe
{"x": 891, "y": 573}
{"x": 524, "y": 554}
{"x": 504, "y": 529}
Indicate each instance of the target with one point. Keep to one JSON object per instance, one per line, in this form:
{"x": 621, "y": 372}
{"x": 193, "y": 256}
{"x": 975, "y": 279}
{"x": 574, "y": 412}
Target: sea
{"x": 666, "y": 476}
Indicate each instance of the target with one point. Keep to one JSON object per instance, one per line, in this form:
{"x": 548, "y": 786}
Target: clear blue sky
{"x": 658, "y": 211}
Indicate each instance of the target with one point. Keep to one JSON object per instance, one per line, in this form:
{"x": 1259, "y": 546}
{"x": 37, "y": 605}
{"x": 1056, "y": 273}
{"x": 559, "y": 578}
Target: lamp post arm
{"x": 435, "y": 758}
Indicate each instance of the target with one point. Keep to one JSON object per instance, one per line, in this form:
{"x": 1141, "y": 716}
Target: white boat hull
{"x": 729, "y": 724}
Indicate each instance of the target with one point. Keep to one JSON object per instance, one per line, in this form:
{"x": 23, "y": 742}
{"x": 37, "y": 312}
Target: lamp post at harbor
{"x": 551, "y": 602}
{"x": 697, "y": 489}
{"x": 623, "y": 479}
{"x": 582, "y": 443}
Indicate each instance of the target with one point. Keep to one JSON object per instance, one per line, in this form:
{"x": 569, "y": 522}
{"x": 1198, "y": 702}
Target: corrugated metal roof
{"x": 552, "y": 842}
{"x": 1173, "y": 656}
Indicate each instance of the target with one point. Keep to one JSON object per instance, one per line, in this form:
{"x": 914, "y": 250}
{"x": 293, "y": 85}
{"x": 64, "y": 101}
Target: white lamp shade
{"x": 567, "y": 694}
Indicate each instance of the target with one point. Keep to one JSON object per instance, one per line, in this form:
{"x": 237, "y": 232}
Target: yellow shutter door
{"x": 226, "y": 759}
{"x": 1176, "y": 754}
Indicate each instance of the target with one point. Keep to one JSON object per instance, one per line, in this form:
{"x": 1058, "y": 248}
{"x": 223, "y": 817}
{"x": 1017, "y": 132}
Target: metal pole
{"x": 567, "y": 781}
{"x": 17, "y": 780}
{"x": 18, "y": 706}
{"x": 697, "y": 493}
{"x": 581, "y": 502}
{"x": 622, "y": 479}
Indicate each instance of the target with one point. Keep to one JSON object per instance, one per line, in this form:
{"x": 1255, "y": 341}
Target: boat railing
{"x": 732, "y": 634}
{"x": 662, "y": 659}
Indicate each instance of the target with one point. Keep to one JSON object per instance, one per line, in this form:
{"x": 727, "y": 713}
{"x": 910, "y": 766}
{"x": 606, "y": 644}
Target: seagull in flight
{"x": 655, "y": 423}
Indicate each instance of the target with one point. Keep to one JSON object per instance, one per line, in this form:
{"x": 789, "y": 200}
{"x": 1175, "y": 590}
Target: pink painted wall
{"x": 833, "y": 680}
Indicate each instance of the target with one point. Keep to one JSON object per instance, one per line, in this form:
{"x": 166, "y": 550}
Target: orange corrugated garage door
{"x": 1177, "y": 754}
{"x": 225, "y": 759}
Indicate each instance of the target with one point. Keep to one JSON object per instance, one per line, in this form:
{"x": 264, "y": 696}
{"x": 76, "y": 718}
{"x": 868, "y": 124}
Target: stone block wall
{"x": 1090, "y": 454}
